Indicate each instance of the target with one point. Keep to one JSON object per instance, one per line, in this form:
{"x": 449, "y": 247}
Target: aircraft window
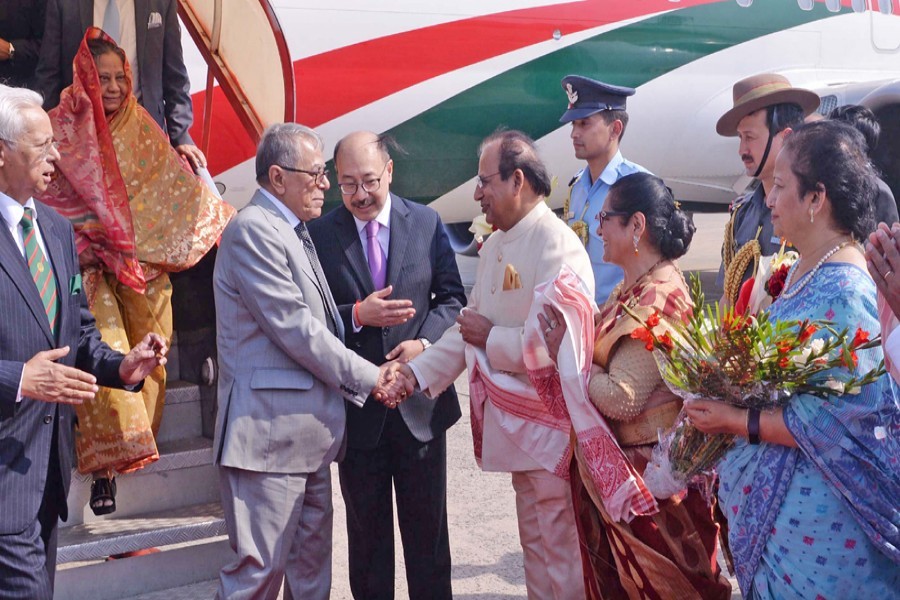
{"x": 858, "y": 5}
{"x": 886, "y": 7}
{"x": 806, "y": 4}
{"x": 744, "y": 3}
{"x": 833, "y": 5}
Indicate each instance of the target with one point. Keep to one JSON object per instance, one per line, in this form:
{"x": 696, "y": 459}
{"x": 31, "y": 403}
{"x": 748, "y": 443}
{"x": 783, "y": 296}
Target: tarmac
{"x": 484, "y": 540}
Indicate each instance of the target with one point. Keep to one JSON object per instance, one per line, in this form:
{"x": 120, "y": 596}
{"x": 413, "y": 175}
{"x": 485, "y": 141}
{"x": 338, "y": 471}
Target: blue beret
{"x": 588, "y": 96}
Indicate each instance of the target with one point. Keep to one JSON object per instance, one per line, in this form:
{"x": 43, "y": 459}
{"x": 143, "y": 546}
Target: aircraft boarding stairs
{"x": 172, "y": 504}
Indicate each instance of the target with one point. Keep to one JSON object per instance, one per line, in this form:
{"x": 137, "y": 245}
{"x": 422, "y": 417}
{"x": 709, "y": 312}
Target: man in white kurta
{"x": 529, "y": 248}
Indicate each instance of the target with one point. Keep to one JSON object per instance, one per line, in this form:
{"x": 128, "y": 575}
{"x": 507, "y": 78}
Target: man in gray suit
{"x": 284, "y": 376}
{"x": 149, "y": 32}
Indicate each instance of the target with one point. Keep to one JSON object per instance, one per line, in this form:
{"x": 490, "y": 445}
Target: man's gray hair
{"x": 279, "y": 146}
{"x": 13, "y": 101}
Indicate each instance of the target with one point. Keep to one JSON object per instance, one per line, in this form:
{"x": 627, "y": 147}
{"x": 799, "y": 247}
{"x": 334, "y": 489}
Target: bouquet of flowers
{"x": 746, "y": 361}
{"x": 760, "y": 291}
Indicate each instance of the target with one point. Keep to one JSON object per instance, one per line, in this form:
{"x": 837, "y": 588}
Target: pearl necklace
{"x": 790, "y": 292}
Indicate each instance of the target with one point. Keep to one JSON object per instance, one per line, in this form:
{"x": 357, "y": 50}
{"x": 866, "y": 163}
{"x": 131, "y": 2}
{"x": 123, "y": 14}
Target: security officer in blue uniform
{"x": 597, "y": 114}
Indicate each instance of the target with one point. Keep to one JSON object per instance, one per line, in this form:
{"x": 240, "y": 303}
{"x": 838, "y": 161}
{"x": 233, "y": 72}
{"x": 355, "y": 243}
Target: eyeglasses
{"x": 368, "y": 186}
{"x": 605, "y": 214}
{"x": 482, "y": 180}
{"x": 319, "y": 175}
{"x": 45, "y": 148}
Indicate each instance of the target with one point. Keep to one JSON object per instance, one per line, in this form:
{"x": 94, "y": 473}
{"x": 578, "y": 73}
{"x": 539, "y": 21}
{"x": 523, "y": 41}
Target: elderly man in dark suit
{"x": 51, "y": 356}
{"x": 393, "y": 274}
{"x": 149, "y": 32}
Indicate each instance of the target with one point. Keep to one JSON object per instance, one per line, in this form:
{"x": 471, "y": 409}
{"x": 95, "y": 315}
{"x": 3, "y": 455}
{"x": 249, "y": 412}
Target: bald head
{"x": 364, "y": 172}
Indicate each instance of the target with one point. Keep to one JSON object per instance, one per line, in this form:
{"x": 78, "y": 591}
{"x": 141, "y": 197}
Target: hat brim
{"x": 574, "y": 114}
{"x": 727, "y": 124}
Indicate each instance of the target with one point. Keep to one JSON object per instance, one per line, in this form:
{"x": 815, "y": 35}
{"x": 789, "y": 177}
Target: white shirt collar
{"x": 292, "y": 219}
{"x": 12, "y": 211}
{"x": 384, "y": 217}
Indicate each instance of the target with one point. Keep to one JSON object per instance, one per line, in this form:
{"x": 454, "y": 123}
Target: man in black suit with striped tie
{"x": 393, "y": 275}
{"x": 51, "y": 355}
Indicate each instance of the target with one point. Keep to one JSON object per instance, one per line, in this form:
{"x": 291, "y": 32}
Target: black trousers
{"x": 418, "y": 472}
{"x": 28, "y": 559}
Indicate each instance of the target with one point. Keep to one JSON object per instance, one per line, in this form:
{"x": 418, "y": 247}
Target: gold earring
{"x": 636, "y": 240}
{"x": 811, "y": 215}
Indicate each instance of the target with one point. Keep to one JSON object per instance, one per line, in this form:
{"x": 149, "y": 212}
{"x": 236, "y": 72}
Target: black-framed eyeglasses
{"x": 368, "y": 186}
{"x": 482, "y": 180}
{"x": 319, "y": 175}
{"x": 605, "y": 214}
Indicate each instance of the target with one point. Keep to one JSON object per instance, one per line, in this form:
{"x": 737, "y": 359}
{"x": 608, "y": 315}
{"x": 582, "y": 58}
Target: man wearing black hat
{"x": 765, "y": 109}
{"x": 597, "y": 114}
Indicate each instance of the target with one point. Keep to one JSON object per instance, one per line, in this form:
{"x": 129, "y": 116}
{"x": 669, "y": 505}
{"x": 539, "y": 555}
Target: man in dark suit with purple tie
{"x": 394, "y": 258}
{"x": 51, "y": 355}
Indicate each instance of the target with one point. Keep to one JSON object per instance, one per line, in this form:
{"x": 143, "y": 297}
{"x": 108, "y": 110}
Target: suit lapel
{"x": 348, "y": 238}
{"x": 16, "y": 268}
{"x": 400, "y": 235}
{"x": 86, "y": 13}
{"x": 141, "y": 20}
{"x": 57, "y": 251}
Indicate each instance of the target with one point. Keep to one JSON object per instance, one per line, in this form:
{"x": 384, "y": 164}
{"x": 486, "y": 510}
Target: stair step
{"x": 183, "y": 475}
{"x": 96, "y": 540}
{"x": 181, "y": 414}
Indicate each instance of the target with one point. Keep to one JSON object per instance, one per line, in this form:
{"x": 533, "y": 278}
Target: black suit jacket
{"x": 26, "y": 428}
{"x": 165, "y": 87}
{"x": 22, "y": 25}
{"x": 422, "y": 268}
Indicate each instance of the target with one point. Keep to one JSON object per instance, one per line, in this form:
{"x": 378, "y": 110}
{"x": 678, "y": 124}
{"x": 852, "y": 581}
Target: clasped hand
{"x": 394, "y": 385}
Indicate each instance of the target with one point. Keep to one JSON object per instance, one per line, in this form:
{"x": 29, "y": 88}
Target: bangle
{"x": 356, "y": 314}
{"x": 753, "y": 425}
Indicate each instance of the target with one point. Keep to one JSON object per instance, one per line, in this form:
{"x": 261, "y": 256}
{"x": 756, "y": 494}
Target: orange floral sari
{"x": 138, "y": 213}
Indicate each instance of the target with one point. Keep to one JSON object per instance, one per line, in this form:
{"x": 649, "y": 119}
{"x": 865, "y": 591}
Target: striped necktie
{"x": 41, "y": 270}
{"x": 303, "y": 233}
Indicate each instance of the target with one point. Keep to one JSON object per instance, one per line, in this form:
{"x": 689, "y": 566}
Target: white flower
{"x": 784, "y": 258}
{"x": 834, "y": 384}
{"x": 480, "y": 228}
{"x": 852, "y": 389}
{"x": 813, "y": 348}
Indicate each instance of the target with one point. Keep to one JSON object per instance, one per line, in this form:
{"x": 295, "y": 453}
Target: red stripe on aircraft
{"x": 330, "y": 84}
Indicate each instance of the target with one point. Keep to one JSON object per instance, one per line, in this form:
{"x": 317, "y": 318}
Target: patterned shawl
{"x": 137, "y": 208}
{"x": 655, "y": 290}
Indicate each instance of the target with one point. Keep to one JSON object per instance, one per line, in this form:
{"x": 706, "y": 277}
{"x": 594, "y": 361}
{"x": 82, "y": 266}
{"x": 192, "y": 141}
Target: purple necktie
{"x": 376, "y": 255}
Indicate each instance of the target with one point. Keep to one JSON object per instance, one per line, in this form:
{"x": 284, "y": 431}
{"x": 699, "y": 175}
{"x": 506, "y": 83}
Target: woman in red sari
{"x": 139, "y": 213}
{"x": 672, "y": 552}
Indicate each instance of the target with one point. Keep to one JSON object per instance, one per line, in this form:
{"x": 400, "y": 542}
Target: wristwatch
{"x": 425, "y": 343}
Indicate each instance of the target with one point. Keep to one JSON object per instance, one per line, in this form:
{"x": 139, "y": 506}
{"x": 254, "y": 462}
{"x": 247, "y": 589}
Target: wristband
{"x": 753, "y": 425}
{"x": 356, "y": 314}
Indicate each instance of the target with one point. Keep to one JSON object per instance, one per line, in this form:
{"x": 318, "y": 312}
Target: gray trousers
{"x": 280, "y": 526}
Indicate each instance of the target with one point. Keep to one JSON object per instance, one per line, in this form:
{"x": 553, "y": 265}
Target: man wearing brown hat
{"x": 765, "y": 109}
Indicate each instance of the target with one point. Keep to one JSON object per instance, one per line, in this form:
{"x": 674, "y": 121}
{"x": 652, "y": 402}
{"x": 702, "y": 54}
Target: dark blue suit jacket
{"x": 422, "y": 268}
{"x": 165, "y": 87}
{"x": 26, "y": 428}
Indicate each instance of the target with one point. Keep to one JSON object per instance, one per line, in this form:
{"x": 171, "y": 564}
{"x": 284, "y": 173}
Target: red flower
{"x": 775, "y": 284}
{"x": 653, "y": 320}
{"x": 806, "y": 333}
{"x": 643, "y": 334}
{"x": 666, "y": 342}
{"x": 861, "y": 337}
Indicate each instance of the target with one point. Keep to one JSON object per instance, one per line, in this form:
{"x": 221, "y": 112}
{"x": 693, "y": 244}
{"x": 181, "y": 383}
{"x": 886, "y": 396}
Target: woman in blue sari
{"x": 811, "y": 491}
